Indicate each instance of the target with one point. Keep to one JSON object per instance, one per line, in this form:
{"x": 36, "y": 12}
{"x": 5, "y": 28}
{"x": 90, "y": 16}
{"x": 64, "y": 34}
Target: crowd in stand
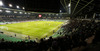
{"x": 11, "y": 19}
{"x": 79, "y": 31}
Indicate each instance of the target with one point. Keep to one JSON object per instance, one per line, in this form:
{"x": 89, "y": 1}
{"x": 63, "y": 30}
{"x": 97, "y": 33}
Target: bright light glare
{"x": 0, "y": 10}
{"x": 10, "y": 5}
{"x": 15, "y": 12}
{"x": 69, "y": 4}
{"x": 1, "y": 3}
{"x": 60, "y": 11}
{"x": 20, "y": 12}
{"x": 23, "y": 8}
{"x": 17, "y": 6}
{"x": 8, "y": 11}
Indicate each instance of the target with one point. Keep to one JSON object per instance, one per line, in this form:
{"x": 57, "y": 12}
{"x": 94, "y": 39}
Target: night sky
{"x": 43, "y": 5}
{"x": 35, "y": 5}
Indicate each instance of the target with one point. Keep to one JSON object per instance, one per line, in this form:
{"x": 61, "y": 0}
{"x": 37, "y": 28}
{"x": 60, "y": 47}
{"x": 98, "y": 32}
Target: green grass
{"x": 37, "y": 29}
{"x": 7, "y": 38}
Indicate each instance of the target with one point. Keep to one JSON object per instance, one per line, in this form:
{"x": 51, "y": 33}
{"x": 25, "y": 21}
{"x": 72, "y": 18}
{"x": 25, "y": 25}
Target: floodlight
{"x": 15, "y": 12}
{"x": 60, "y": 11}
{"x": 10, "y": 5}
{"x": 17, "y": 6}
{"x": 20, "y": 12}
{"x": 1, "y": 3}
{"x": 0, "y": 10}
{"x": 69, "y": 4}
{"x": 8, "y": 11}
{"x": 23, "y": 7}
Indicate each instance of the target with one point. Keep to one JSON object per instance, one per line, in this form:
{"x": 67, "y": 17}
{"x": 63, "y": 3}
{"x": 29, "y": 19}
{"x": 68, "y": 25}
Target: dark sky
{"x": 21, "y": 3}
{"x": 35, "y": 5}
{"x": 43, "y": 5}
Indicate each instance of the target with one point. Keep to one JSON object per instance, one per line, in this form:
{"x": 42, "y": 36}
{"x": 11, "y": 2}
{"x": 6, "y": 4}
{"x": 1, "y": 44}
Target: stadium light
{"x": 23, "y": 7}
{"x": 20, "y": 12}
{"x": 10, "y": 5}
{"x": 17, "y": 6}
{"x": 69, "y": 4}
{"x": 1, "y": 3}
{"x": 8, "y": 11}
{"x": 60, "y": 11}
{"x": 0, "y": 10}
{"x": 15, "y": 12}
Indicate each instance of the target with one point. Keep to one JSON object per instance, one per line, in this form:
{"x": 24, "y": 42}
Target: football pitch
{"x": 35, "y": 29}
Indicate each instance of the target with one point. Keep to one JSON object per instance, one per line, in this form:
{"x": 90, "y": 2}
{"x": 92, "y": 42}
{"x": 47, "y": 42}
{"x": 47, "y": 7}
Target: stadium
{"x": 53, "y": 25}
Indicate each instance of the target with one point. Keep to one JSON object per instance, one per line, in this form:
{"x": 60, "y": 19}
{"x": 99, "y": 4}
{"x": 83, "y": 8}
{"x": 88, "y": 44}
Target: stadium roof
{"x": 82, "y": 7}
{"x": 33, "y": 5}
{"x": 77, "y": 7}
